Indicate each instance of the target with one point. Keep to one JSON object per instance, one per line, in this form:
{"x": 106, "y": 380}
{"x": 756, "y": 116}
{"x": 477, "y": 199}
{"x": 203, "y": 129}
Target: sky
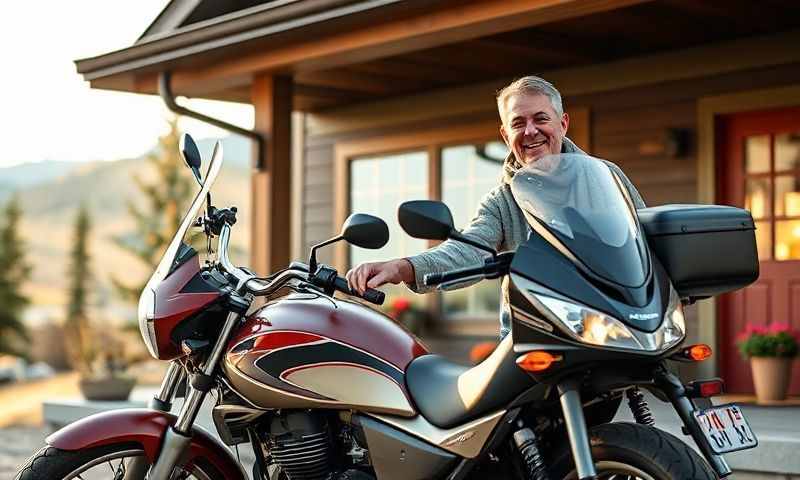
{"x": 47, "y": 111}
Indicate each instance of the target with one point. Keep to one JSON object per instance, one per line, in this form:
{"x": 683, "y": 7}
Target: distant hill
{"x": 31, "y": 174}
{"x": 49, "y": 206}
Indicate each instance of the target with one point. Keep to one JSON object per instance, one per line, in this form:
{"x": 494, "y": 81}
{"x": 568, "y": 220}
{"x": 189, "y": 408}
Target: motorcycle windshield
{"x": 580, "y": 201}
{"x": 165, "y": 265}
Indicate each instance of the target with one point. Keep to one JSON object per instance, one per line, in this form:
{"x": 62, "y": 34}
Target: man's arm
{"x": 485, "y": 228}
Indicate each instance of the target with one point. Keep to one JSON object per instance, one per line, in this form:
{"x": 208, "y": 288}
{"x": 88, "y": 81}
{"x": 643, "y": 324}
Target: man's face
{"x": 532, "y": 128}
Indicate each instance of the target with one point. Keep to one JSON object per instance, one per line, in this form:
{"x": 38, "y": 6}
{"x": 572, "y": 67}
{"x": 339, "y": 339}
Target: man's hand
{"x": 375, "y": 274}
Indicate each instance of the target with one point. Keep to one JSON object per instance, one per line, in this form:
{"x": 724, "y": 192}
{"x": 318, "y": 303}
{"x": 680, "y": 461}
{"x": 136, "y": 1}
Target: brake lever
{"x": 458, "y": 283}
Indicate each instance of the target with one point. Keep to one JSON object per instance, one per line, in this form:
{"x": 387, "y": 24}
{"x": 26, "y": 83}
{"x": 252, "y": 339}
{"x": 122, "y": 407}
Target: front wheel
{"x": 636, "y": 452}
{"x": 104, "y": 462}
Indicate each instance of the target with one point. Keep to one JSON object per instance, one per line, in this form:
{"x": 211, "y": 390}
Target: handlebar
{"x": 432, "y": 279}
{"x": 296, "y": 271}
{"x": 370, "y": 294}
{"x": 494, "y": 267}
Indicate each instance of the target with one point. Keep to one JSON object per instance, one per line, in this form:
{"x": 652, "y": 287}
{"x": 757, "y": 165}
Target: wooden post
{"x": 270, "y": 246}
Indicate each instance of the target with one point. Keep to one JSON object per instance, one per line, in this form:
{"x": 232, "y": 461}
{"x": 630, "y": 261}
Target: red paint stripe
{"x": 273, "y": 340}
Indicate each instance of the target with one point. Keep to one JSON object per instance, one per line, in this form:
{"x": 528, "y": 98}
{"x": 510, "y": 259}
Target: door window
{"x": 772, "y": 193}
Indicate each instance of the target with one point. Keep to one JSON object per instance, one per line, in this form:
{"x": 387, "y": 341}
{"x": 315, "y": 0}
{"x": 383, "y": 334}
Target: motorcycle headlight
{"x": 146, "y": 314}
{"x": 674, "y": 326}
{"x": 590, "y": 326}
{"x": 596, "y": 328}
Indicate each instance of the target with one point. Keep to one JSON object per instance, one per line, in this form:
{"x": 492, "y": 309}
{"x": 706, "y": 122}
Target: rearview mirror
{"x": 365, "y": 231}
{"x": 191, "y": 155}
{"x": 426, "y": 219}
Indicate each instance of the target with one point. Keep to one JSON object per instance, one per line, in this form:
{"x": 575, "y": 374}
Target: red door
{"x": 760, "y": 155}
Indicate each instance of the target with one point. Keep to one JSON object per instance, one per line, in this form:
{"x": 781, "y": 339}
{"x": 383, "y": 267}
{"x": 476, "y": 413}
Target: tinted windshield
{"x": 581, "y": 202}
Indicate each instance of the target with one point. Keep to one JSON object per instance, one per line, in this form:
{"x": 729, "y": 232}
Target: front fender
{"x": 145, "y": 427}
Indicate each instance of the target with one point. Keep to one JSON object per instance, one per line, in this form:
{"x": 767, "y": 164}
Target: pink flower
{"x": 779, "y": 327}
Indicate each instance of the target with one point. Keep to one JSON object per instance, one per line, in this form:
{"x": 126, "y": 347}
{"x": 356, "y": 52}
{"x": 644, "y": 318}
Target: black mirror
{"x": 191, "y": 155}
{"x": 426, "y": 219}
{"x": 365, "y": 231}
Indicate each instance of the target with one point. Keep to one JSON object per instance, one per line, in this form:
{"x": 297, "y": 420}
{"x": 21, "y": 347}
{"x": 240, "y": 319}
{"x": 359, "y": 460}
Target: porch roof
{"x": 340, "y": 52}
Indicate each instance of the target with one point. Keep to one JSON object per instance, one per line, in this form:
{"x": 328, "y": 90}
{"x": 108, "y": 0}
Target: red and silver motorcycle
{"x": 327, "y": 388}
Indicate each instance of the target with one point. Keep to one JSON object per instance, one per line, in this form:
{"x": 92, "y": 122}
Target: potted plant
{"x": 771, "y": 351}
{"x": 96, "y": 354}
{"x": 402, "y": 311}
{"x": 103, "y": 376}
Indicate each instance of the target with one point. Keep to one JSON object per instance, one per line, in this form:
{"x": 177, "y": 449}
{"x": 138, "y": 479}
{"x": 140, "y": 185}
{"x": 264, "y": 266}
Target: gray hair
{"x": 530, "y": 85}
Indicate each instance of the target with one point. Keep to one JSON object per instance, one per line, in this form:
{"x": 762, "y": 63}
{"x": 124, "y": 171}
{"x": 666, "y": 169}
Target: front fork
{"x": 572, "y": 409}
{"x": 178, "y": 437}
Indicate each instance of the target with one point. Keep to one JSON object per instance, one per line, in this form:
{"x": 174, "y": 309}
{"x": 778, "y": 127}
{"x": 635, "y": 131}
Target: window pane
{"x": 756, "y": 154}
{"x": 756, "y": 197}
{"x": 764, "y": 240}
{"x": 787, "y": 151}
{"x": 787, "y": 240}
{"x": 378, "y": 185}
{"x": 787, "y": 196}
{"x": 468, "y": 173}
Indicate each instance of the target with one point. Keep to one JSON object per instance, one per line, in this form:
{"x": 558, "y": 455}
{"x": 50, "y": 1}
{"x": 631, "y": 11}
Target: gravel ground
{"x": 16, "y": 445}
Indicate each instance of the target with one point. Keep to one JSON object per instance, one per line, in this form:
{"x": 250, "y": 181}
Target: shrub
{"x": 775, "y": 340}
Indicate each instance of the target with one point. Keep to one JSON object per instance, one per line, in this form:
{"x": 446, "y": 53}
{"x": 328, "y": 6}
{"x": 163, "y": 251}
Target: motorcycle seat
{"x": 449, "y": 394}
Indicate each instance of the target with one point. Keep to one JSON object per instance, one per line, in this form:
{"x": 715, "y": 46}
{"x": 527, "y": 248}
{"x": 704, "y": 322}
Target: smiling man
{"x": 534, "y": 125}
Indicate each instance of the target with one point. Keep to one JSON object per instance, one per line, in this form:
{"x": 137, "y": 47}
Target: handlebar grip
{"x": 374, "y": 296}
{"x": 371, "y": 295}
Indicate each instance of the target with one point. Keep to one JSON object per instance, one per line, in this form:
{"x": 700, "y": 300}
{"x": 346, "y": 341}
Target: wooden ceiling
{"x": 642, "y": 29}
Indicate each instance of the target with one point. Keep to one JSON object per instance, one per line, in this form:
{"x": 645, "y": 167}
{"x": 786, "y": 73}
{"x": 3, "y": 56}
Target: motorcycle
{"x": 324, "y": 387}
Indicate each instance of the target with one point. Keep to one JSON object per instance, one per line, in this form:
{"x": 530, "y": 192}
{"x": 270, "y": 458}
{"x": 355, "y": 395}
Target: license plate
{"x": 726, "y": 428}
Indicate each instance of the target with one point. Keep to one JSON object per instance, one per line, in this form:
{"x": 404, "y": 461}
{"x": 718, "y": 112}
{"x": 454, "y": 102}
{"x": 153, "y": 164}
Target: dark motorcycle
{"x": 326, "y": 388}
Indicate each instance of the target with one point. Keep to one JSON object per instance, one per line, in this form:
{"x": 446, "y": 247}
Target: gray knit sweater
{"x": 499, "y": 223}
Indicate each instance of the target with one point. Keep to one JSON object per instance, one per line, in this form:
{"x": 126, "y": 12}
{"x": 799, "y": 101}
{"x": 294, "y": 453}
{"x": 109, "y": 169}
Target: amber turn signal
{"x": 699, "y": 352}
{"x": 537, "y": 361}
{"x": 693, "y": 353}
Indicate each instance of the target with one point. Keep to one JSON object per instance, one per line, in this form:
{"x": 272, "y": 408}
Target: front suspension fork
{"x": 178, "y": 437}
{"x": 569, "y": 394}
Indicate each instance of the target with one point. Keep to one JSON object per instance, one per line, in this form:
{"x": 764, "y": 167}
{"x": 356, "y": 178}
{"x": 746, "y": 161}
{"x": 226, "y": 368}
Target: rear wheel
{"x": 108, "y": 462}
{"x": 628, "y": 451}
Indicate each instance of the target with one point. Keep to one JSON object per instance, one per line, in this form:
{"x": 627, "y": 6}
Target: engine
{"x": 310, "y": 446}
{"x": 301, "y": 444}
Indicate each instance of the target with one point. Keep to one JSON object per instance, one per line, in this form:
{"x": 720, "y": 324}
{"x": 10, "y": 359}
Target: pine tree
{"x": 78, "y": 334}
{"x": 165, "y": 203}
{"x": 14, "y": 272}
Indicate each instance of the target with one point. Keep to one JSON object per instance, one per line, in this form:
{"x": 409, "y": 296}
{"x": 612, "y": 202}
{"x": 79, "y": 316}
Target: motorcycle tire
{"x": 637, "y": 451}
{"x": 50, "y": 463}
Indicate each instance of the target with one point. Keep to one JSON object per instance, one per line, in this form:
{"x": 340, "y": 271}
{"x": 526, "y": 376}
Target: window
{"x": 772, "y": 193}
{"x": 378, "y": 185}
{"x": 469, "y": 171}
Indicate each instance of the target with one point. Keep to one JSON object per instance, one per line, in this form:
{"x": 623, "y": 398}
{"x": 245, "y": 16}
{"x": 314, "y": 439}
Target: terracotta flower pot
{"x": 771, "y": 376}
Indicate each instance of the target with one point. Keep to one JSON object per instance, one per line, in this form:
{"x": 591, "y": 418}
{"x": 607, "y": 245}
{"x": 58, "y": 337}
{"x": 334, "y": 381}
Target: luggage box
{"x": 706, "y": 249}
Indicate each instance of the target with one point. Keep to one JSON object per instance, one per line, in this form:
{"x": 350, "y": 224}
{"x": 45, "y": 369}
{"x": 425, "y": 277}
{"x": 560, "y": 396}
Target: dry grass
{"x": 22, "y": 402}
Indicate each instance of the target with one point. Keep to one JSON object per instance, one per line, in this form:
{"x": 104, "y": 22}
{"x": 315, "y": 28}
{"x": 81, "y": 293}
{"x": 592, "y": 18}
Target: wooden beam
{"x": 696, "y": 62}
{"x": 456, "y": 23}
{"x": 270, "y": 246}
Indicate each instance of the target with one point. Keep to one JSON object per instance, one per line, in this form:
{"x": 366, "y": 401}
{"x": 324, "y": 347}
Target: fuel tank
{"x": 309, "y": 351}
